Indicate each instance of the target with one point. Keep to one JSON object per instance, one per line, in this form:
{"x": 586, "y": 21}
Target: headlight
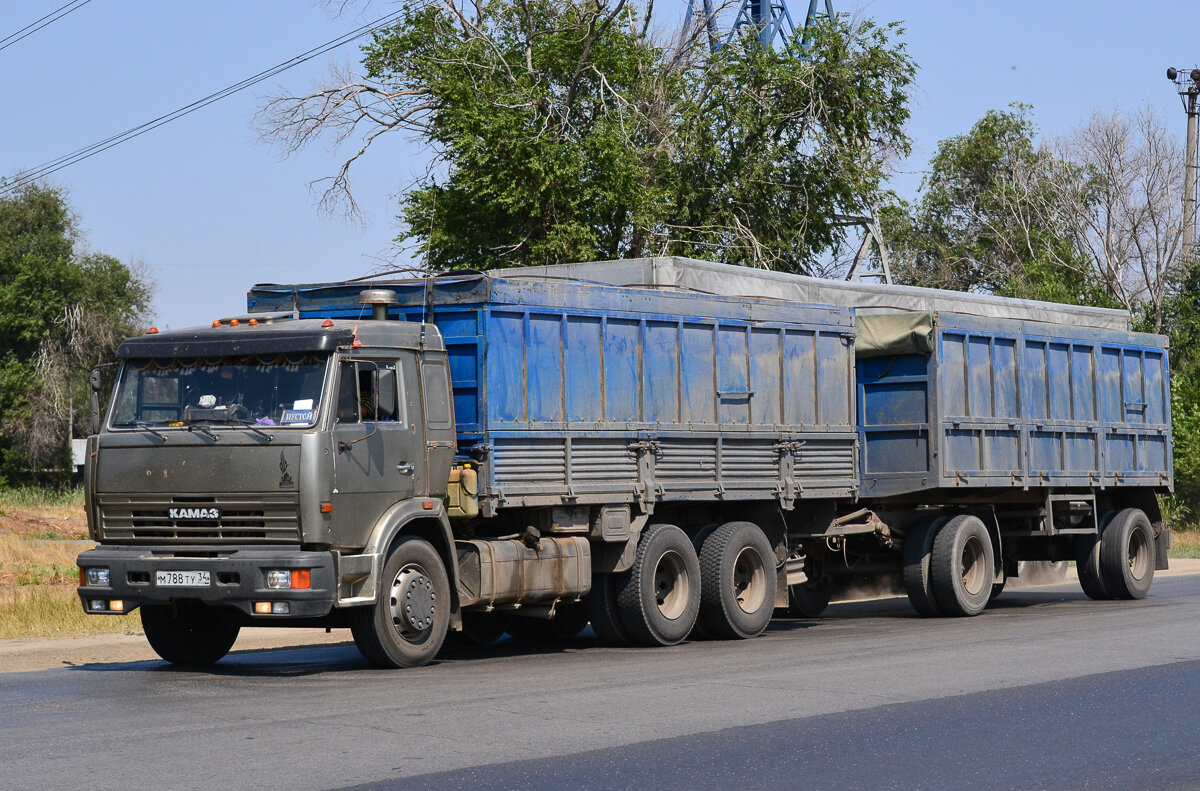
{"x": 279, "y": 578}
{"x": 97, "y": 577}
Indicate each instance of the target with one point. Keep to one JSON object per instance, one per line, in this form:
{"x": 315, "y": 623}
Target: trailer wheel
{"x": 406, "y": 626}
{"x": 918, "y": 546}
{"x": 601, "y": 606}
{"x": 810, "y": 598}
{"x": 962, "y": 566}
{"x": 482, "y": 628}
{"x": 570, "y": 618}
{"x": 188, "y": 633}
{"x": 1087, "y": 561}
{"x": 737, "y": 573}
{"x": 1127, "y": 555}
{"x": 659, "y": 598}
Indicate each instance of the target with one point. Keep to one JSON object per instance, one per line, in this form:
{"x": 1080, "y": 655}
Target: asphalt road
{"x": 1048, "y": 690}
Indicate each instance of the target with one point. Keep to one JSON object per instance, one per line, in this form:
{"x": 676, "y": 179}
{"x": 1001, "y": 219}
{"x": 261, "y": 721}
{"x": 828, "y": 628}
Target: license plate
{"x": 183, "y": 579}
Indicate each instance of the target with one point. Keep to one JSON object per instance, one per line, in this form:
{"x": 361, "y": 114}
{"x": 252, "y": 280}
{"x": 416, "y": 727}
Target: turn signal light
{"x": 262, "y": 607}
{"x": 301, "y": 579}
{"x": 116, "y": 605}
{"x": 327, "y": 508}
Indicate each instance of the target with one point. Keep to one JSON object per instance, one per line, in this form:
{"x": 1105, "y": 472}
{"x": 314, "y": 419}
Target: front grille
{"x": 244, "y": 519}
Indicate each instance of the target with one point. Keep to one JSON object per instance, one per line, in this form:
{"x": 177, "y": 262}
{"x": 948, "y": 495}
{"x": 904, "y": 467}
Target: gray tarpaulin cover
{"x": 867, "y": 298}
{"x": 882, "y": 334}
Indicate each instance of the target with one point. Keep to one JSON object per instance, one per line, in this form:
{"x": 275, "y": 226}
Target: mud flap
{"x": 1162, "y": 543}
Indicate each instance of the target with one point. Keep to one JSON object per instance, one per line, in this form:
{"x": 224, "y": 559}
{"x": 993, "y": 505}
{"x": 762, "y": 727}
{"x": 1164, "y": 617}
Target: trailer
{"x": 529, "y": 451}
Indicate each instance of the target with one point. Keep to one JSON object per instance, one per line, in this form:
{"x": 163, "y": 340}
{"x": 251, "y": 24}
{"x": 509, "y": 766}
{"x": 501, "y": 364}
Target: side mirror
{"x": 94, "y": 381}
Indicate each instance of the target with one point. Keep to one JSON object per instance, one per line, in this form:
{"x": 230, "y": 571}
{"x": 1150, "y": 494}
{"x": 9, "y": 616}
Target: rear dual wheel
{"x": 658, "y": 599}
{"x": 737, "y": 569}
{"x": 949, "y": 566}
{"x": 1118, "y": 562}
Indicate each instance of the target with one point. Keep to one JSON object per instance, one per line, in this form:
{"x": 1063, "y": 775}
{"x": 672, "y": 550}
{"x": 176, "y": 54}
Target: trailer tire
{"x": 810, "y": 598}
{"x": 962, "y": 566}
{"x": 601, "y": 606}
{"x": 407, "y": 624}
{"x": 569, "y": 620}
{"x": 1087, "y": 561}
{"x": 481, "y": 628}
{"x": 659, "y": 599}
{"x": 737, "y": 579}
{"x": 1127, "y": 555}
{"x": 188, "y": 633}
{"x": 918, "y": 546}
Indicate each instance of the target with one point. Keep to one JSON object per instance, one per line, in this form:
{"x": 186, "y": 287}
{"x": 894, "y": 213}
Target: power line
{"x": 66, "y": 160}
{"x": 13, "y": 38}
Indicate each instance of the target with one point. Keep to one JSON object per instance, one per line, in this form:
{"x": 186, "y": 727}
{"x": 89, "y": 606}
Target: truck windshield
{"x": 276, "y": 391}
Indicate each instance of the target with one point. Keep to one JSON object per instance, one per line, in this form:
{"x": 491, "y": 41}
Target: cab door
{"x": 378, "y": 446}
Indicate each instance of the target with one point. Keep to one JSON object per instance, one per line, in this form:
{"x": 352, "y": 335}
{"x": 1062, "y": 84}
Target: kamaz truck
{"x": 662, "y": 448}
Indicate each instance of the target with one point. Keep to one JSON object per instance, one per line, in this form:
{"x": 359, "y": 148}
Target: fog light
{"x": 279, "y": 579}
{"x": 98, "y": 577}
{"x": 96, "y": 605}
{"x": 280, "y": 608}
{"x": 262, "y": 607}
{"x": 116, "y": 605}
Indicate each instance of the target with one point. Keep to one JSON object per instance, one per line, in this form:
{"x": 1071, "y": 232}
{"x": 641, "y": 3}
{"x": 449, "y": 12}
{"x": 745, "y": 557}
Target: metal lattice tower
{"x": 771, "y": 18}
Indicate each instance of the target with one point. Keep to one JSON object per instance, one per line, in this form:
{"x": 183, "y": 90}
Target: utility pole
{"x": 1188, "y": 86}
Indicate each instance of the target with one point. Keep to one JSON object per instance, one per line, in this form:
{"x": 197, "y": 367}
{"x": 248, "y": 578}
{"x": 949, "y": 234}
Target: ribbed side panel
{"x": 825, "y": 460}
{"x": 749, "y": 460}
{"x": 686, "y": 461}
{"x": 602, "y": 461}
{"x": 523, "y": 462}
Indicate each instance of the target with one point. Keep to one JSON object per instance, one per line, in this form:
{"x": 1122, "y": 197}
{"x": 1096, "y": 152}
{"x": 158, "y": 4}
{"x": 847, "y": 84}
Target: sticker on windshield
{"x": 296, "y": 416}
{"x": 303, "y": 403}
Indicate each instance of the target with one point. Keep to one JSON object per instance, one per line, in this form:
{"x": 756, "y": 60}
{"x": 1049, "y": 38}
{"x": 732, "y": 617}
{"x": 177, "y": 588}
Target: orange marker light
{"x": 152, "y": 331}
{"x": 326, "y": 508}
{"x": 116, "y": 605}
{"x": 233, "y": 322}
{"x": 301, "y": 579}
{"x": 262, "y": 607}
{"x": 327, "y": 323}
{"x": 216, "y": 322}
{"x": 357, "y": 344}
{"x": 253, "y": 322}
{"x": 82, "y": 579}
{"x": 427, "y": 505}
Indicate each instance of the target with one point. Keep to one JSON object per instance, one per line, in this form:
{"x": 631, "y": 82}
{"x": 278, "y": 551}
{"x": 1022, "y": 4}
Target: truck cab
{"x": 256, "y": 471}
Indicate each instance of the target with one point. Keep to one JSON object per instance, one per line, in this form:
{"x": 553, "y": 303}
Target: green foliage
{"x": 60, "y": 313}
{"x": 986, "y": 220}
{"x": 564, "y": 131}
{"x": 1182, "y": 316}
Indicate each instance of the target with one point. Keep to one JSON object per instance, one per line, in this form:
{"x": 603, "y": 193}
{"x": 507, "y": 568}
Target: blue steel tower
{"x": 771, "y": 18}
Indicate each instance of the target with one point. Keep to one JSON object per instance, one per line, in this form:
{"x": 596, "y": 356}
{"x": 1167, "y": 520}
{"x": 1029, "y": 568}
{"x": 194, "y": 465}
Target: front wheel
{"x": 188, "y": 633}
{"x": 407, "y": 624}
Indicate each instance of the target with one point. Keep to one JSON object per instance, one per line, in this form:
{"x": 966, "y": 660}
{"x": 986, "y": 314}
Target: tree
{"x": 989, "y": 220}
{"x": 62, "y": 311}
{"x": 564, "y": 131}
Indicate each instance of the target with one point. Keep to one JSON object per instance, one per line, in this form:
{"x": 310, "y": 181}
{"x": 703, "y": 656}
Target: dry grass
{"x": 1185, "y": 542}
{"x": 46, "y": 514}
{"x": 32, "y": 611}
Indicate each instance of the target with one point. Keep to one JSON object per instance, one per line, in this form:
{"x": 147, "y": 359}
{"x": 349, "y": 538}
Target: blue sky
{"x": 209, "y": 209}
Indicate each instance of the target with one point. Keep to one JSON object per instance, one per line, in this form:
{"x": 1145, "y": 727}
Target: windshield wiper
{"x": 253, "y": 429}
{"x": 202, "y": 430}
{"x": 147, "y": 427}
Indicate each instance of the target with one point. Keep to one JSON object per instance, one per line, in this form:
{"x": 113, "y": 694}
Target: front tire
{"x": 962, "y": 566}
{"x": 1127, "y": 555}
{"x": 659, "y": 598}
{"x": 406, "y": 626}
{"x": 188, "y": 633}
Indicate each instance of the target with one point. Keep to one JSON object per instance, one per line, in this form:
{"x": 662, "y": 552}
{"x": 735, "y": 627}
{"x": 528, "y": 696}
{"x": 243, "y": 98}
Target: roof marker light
{"x": 327, "y": 323}
{"x": 216, "y": 322}
{"x": 233, "y": 322}
{"x": 253, "y": 322}
{"x": 152, "y": 331}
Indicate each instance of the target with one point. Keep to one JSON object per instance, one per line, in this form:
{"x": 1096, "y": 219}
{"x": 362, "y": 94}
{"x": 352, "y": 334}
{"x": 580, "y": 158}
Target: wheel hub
{"x": 671, "y": 585}
{"x": 413, "y": 601}
{"x": 749, "y": 580}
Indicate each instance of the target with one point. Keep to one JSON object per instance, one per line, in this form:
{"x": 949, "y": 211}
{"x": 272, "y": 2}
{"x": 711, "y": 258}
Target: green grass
{"x": 37, "y": 497}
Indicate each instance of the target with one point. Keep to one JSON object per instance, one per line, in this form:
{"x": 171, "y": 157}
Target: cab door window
{"x": 363, "y": 388}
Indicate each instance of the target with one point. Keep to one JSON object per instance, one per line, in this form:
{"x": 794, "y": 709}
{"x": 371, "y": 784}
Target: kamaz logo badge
{"x": 194, "y": 513}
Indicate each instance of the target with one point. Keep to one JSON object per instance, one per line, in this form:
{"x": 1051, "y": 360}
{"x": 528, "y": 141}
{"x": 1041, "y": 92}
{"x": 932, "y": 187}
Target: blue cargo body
{"x": 1004, "y": 403}
{"x": 575, "y": 393}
